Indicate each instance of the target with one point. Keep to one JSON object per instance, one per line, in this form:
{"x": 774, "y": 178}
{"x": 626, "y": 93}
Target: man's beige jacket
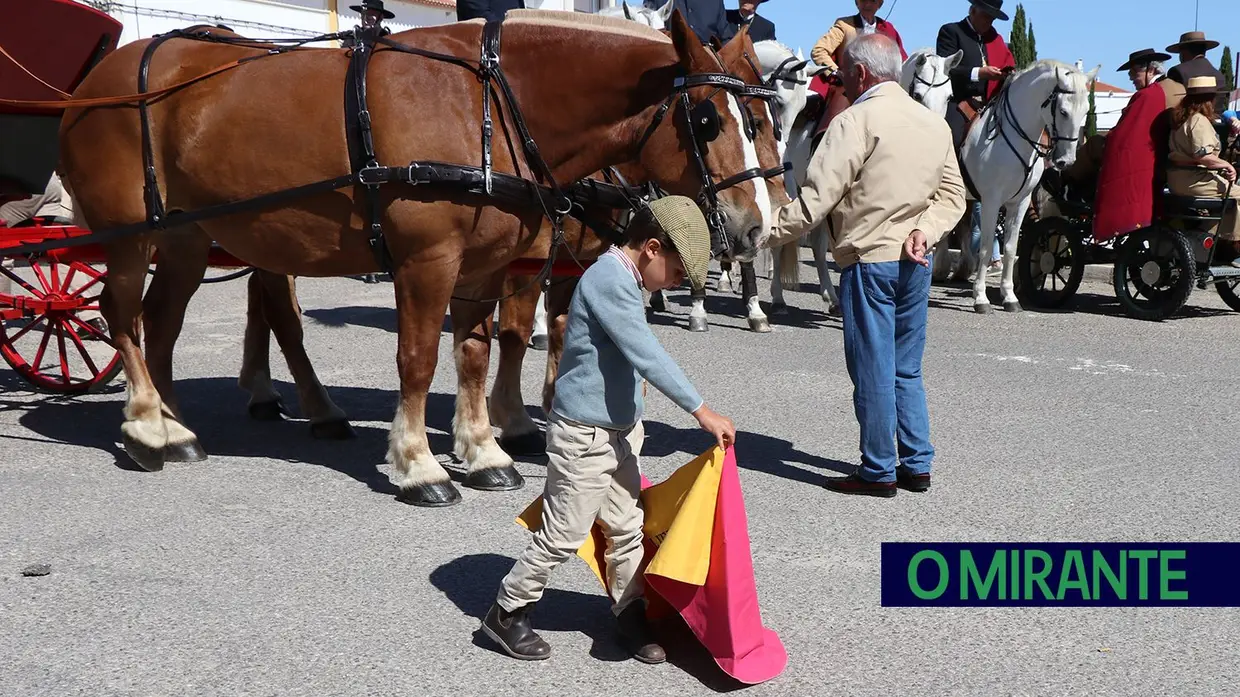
{"x": 884, "y": 168}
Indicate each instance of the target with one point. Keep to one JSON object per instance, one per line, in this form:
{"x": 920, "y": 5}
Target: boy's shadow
{"x": 754, "y": 451}
{"x": 471, "y": 581}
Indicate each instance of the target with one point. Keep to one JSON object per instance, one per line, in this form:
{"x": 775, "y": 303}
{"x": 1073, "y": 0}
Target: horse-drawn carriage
{"x": 1154, "y": 269}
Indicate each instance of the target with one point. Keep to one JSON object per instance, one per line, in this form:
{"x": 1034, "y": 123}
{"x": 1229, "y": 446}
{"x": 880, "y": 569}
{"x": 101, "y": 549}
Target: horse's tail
{"x": 790, "y": 264}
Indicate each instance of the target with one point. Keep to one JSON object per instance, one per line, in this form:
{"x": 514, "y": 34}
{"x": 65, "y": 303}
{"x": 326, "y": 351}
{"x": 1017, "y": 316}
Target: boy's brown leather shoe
{"x": 635, "y": 635}
{"x": 512, "y": 631}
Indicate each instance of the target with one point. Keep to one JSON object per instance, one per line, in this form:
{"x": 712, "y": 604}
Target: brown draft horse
{"x": 273, "y": 309}
{"x": 270, "y": 125}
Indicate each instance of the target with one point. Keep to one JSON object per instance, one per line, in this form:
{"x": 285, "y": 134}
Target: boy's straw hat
{"x": 685, "y": 225}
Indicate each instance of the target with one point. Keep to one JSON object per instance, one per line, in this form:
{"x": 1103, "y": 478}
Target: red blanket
{"x": 1125, "y": 197}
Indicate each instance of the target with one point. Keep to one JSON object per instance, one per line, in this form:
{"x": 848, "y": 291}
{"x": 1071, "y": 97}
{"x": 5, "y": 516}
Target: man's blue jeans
{"x": 976, "y": 231}
{"x": 885, "y": 307}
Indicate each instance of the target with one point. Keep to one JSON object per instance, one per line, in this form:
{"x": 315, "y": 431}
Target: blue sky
{"x": 1095, "y": 31}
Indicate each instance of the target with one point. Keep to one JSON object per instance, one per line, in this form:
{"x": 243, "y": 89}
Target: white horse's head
{"x": 926, "y": 78}
{"x": 1062, "y": 95}
{"x": 655, "y": 18}
{"x": 788, "y": 74}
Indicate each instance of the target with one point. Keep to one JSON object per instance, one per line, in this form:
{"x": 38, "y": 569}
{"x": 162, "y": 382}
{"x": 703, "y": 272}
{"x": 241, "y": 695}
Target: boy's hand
{"x": 720, "y": 426}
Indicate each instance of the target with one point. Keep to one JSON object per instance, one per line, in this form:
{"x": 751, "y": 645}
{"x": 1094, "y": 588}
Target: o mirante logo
{"x": 1059, "y": 573}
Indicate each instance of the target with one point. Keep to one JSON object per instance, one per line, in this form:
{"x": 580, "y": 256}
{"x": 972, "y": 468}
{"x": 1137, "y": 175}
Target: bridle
{"x": 781, "y": 73}
{"x": 704, "y": 125}
{"x": 919, "y": 80}
{"x": 1006, "y": 113}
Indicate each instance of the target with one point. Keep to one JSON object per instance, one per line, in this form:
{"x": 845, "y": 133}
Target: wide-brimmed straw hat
{"x": 1193, "y": 38}
{"x": 1204, "y": 84}
{"x": 686, "y": 227}
{"x": 1145, "y": 55}
{"x": 994, "y": 8}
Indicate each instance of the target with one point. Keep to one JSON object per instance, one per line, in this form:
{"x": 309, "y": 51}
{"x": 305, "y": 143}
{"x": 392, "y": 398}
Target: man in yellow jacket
{"x": 886, "y": 176}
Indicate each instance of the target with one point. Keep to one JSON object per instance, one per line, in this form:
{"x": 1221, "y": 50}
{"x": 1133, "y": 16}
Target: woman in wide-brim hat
{"x": 1195, "y": 154}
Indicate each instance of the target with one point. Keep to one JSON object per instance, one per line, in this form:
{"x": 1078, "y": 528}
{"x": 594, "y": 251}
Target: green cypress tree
{"x": 1091, "y": 123}
{"x": 1032, "y": 45}
{"x": 1227, "y": 68}
{"x": 1019, "y": 40}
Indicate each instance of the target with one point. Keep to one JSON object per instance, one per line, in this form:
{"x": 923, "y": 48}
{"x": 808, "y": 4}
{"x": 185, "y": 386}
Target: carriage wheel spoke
{"x": 64, "y": 355}
{"x": 1061, "y": 278}
{"x": 81, "y": 347}
{"x": 89, "y": 327}
{"x": 38, "y": 356}
{"x": 23, "y": 283}
{"x": 38, "y": 271}
{"x": 94, "y": 279}
{"x": 22, "y": 332}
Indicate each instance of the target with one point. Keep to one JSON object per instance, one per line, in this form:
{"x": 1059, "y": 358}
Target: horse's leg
{"x": 422, "y": 293}
{"x": 657, "y": 302}
{"x": 143, "y": 433}
{"x": 182, "y": 261}
{"x": 787, "y": 270}
{"x": 519, "y": 434}
{"x": 283, "y": 315}
{"x": 725, "y": 277}
{"x": 558, "y": 298}
{"x": 697, "y": 312}
{"x": 820, "y": 244}
{"x": 489, "y": 468}
{"x": 971, "y": 224}
{"x": 538, "y": 339}
{"x": 749, "y": 289}
{"x": 1014, "y": 213}
{"x": 265, "y": 404}
{"x": 990, "y": 220}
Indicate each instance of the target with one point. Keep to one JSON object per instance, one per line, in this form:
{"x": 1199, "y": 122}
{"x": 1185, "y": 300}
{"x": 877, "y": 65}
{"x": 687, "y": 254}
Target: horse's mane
{"x": 772, "y": 49}
{"x": 582, "y": 20}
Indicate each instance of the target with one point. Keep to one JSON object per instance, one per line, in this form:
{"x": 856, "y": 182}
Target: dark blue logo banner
{"x": 1070, "y": 574}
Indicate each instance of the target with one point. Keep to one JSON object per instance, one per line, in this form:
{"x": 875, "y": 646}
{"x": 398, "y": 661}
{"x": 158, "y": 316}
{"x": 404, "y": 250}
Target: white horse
{"x": 1005, "y": 157}
{"x": 926, "y": 78}
{"x": 651, "y": 17}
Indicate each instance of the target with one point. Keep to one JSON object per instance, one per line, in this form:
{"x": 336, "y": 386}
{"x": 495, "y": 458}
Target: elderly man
{"x": 886, "y": 174}
{"x": 1192, "y": 48}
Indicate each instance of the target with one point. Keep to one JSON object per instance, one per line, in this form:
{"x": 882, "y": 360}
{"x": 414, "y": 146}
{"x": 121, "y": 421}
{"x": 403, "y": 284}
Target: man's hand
{"x": 915, "y": 248}
{"x": 716, "y": 424}
{"x": 989, "y": 72}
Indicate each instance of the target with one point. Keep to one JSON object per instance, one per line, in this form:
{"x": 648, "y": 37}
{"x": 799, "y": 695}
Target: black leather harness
{"x": 582, "y": 199}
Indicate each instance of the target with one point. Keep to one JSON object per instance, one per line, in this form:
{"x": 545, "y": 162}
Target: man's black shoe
{"x": 635, "y": 635}
{"x": 853, "y": 484}
{"x": 912, "y": 482}
{"x": 512, "y": 631}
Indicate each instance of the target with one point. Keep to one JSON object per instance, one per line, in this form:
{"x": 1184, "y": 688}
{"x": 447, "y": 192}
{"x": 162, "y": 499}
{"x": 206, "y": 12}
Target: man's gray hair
{"x": 1156, "y": 67}
{"x": 878, "y": 53}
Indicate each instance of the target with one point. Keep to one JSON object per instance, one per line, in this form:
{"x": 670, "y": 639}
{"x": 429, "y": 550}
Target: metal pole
{"x": 1196, "y": 11}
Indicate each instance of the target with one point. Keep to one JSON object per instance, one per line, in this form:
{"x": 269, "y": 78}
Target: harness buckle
{"x": 372, "y": 175}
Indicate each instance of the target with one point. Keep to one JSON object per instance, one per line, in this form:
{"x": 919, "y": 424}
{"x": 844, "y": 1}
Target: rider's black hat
{"x": 1145, "y": 55}
{"x": 373, "y": 5}
{"x": 994, "y": 8}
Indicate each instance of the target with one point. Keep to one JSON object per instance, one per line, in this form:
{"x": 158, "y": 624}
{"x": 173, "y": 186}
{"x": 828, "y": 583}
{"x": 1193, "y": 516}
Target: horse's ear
{"x": 800, "y": 56}
{"x": 798, "y": 67}
{"x": 1093, "y": 74}
{"x": 955, "y": 59}
{"x": 665, "y": 13}
{"x": 627, "y": 15}
{"x": 688, "y": 47}
{"x": 715, "y": 43}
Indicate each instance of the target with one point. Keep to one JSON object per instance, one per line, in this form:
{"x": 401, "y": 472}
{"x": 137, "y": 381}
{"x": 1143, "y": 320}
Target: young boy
{"x": 594, "y": 431}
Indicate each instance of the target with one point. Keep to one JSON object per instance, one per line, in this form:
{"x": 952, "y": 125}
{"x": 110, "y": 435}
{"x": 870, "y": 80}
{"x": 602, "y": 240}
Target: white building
{"x": 287, "y": 18}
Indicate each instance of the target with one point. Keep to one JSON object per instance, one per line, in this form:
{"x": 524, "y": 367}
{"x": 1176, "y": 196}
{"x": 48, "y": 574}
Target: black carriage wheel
{"x": 1050, "y": 264}
{"x": 1227, "y": 291}
{"x": 1155, "y": 269}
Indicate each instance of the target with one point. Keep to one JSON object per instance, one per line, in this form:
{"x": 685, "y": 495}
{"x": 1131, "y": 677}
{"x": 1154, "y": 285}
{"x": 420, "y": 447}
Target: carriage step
{"x": 1224, "y": 272}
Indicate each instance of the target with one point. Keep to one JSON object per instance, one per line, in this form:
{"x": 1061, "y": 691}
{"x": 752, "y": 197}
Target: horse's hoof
{"x": 982, "y": 308}
{"x": 539, "y": 342}
{"x": 495, "y": 479}
{"x": 779, "y": 309}
{"x": 657, "y": 303}
{"x": 189, "y": 451}
{"x": 434, "y": 495}
{"x": 697, "y": 324}
{"x": 835, "y": 311}
{"x": 338, "y": 429}
{"x": 268, "y": 411}
{"x": 724, "y": 285}
{"x": 1011, "y": 307}
{"x": 761, "y": 325}
{"x": 525, "y": 445}
{"x": 144, "y": 456}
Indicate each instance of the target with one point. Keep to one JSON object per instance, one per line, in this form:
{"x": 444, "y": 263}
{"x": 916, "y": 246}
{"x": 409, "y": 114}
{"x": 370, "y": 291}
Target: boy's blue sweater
{"x": 609, "y": 349}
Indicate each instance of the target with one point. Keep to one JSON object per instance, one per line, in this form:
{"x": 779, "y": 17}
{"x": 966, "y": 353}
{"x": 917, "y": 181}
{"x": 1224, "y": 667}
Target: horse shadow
{"x": 215, "y": 409}
{"x": 470, "y": 583}
{"x": 382, "y": 318}
{"x": 754, "y": 451}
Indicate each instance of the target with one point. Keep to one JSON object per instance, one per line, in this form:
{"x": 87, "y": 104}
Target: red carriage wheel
{"x": 44, "y": 335}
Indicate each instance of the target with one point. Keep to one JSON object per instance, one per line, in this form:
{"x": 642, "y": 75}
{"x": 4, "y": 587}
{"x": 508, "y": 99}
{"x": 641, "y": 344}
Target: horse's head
{"x": 787, "y": 73}
{"x": 709, "y": 145}
{"x": 1066, "y": 109}
{"x": 926, "y": 78}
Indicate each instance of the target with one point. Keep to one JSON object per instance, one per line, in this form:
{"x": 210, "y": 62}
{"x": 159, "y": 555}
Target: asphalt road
{"x": 284, "y": 566}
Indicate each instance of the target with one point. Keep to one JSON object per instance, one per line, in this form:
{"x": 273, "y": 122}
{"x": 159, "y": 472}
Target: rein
{"x": 1007, "y": 114}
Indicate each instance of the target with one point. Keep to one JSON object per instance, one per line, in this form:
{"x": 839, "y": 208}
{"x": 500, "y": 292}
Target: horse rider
{"x": 486, "y": 9}
{"x": 826, "y": 53}
{"x": 1192, "y": 48}
{"x": 760, "y": 28}
{"x": 1133, "y": 168}
{"x": 976, "y": 80}
{"x": 706, "y": 18}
